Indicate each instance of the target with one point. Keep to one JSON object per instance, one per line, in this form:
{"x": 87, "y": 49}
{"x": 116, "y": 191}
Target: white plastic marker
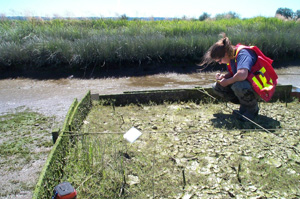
{"x": 132, "y": 135}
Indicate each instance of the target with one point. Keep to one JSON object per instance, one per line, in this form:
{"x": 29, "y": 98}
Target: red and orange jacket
{"x": 262, "y": 76}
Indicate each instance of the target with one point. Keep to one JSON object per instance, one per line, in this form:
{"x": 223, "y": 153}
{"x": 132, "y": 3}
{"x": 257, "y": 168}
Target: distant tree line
{"x": 228, "y": 15}
{"x": 288, "y": 13}
{"x": 285, "y": 12}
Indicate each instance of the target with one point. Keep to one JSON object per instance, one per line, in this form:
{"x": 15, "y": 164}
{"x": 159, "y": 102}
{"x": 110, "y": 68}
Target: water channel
{"x": 54, "y": 96}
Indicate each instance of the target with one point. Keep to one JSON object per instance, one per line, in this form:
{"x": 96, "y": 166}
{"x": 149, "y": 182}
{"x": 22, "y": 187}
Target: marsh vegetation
{"x": 106, "y": 43}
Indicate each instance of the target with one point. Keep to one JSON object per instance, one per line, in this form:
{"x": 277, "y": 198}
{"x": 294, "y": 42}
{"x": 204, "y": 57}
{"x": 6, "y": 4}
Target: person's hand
{"x": 219, "y": 76}
{"x": 224, "y": 82}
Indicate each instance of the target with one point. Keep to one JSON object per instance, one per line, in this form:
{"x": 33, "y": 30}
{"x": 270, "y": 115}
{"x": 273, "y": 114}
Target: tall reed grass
{"x": 78, "y": 44}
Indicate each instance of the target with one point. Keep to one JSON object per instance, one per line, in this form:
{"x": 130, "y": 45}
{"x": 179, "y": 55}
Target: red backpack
{"x": 262, "y": 76}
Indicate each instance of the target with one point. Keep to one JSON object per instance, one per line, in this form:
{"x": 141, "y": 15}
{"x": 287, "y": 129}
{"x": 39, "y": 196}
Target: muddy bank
{"x": 53, "y": 97}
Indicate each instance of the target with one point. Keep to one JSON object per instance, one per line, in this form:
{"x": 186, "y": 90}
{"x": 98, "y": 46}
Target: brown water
{"x": 53, "y": 97}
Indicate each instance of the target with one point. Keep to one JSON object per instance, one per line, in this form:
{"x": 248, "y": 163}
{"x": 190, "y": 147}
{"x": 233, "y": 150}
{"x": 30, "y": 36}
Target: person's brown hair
{"x": 218, "y": 50}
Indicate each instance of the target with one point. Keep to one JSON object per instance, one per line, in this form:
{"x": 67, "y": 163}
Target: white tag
{"x": 132, "y": 135}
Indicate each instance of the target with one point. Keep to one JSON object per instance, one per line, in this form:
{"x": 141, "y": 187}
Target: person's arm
{"x": 241, "y": 75}
{"x": 245, "y": 60}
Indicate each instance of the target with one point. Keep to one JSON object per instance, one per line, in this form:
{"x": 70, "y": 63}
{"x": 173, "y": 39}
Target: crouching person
{"x": 250, "y": 75}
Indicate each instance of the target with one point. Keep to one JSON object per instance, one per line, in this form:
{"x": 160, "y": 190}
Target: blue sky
{"x": 143, "y": 8}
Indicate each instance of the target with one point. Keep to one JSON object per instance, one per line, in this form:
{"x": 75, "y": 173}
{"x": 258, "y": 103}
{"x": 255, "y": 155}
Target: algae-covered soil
{"x": 187, "y": 150}
{"x": 25, "y": 142}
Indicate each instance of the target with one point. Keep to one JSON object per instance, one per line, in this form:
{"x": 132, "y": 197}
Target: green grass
{"x": 18, "y": 130}
{"x": 89, "y": 44}
{"x": 199, "y": 150}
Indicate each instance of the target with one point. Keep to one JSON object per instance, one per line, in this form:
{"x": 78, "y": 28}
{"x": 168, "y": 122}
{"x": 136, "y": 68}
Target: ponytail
{"x": 229, "y": 49}
{"x": 225, "y": 41}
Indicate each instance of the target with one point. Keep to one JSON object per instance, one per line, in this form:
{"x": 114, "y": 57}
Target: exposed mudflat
{"x": 201, "y": 148}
